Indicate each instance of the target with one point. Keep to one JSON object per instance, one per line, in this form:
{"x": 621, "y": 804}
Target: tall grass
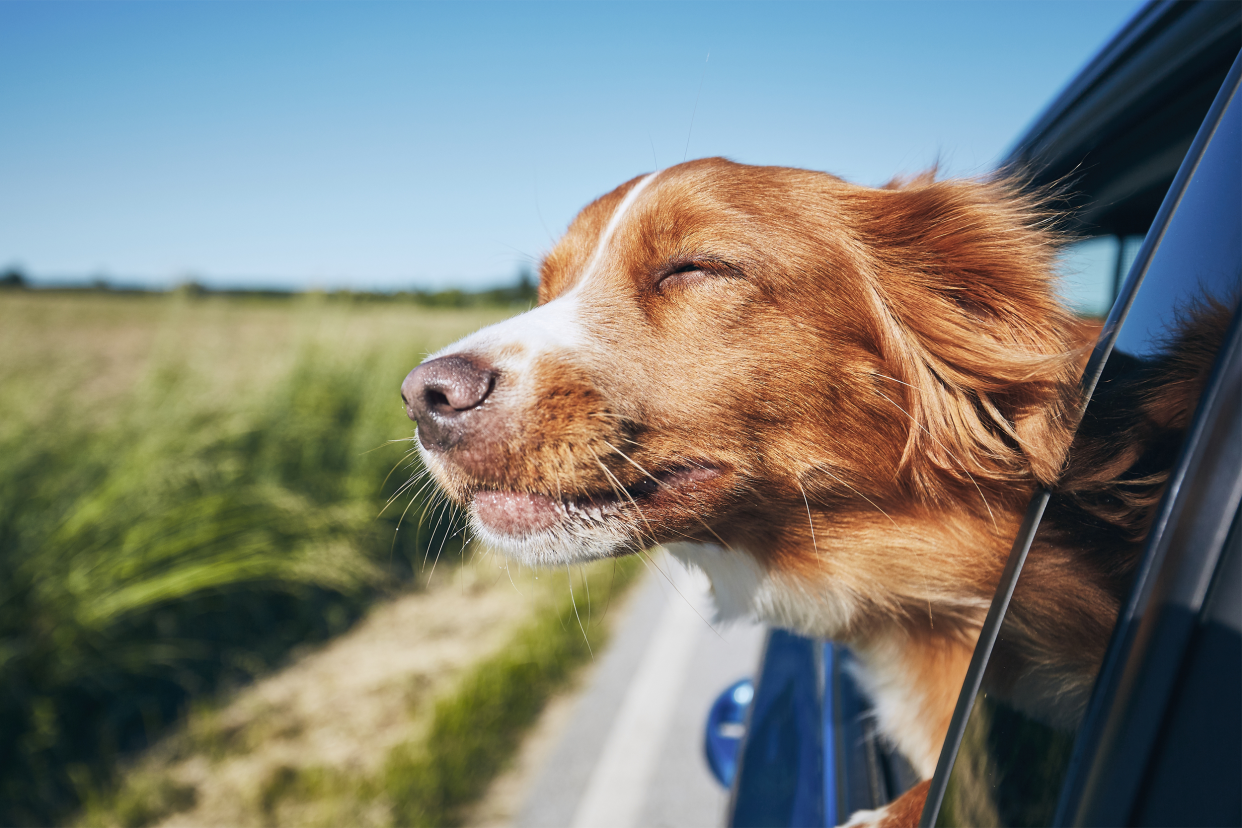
{"x": 187, "y": 490}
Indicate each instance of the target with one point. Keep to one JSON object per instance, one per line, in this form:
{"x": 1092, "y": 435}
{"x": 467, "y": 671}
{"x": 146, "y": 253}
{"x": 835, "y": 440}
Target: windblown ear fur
{"x": 983, "y": 357}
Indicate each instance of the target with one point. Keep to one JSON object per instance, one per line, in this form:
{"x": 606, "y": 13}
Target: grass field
{"x": 404, "y": 720}
{"x": 189, "y": 488}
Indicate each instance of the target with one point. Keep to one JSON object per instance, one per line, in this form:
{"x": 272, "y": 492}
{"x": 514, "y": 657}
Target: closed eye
{"x": 688, "y": 272}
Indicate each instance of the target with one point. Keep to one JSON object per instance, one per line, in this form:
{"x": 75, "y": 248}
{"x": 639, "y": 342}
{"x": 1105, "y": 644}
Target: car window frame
{"x": 1228, "y": 95}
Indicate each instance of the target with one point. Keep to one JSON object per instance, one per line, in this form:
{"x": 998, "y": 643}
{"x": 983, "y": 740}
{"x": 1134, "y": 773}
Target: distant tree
{"x": 13, "y": 278}
{"x": 191, "y": 288}
{"x": 527, "y": 288}
{"x": 190, "y": 284}
{"x": 517, "y": 295}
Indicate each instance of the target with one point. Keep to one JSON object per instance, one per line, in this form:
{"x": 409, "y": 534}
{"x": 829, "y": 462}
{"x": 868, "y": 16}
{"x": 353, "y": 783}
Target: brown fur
{"x": 872, "y": 381}
{"x": 1102, "y": 507}
{"x": 906, "y": 809}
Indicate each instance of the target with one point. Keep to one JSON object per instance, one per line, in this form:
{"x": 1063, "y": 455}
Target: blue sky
{"x": 389, "y": 145}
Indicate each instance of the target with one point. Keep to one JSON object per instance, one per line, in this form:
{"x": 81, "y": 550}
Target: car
{"x": 1147, "y": 142}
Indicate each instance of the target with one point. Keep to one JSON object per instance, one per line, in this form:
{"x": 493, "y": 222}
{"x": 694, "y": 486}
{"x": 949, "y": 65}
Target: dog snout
{"x": 442, "y": 395}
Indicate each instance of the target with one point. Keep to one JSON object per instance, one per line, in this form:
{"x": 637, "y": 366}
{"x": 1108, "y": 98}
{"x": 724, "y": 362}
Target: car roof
{"x": 1114, "y": 138}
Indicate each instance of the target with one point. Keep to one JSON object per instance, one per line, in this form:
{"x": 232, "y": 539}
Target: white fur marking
{"x": 550, "y": 327}
{"x": 744, "y": 588}
{"x": 613, "y": 223}
{"x": 554, "y": 326}
{"x": 865, "y": 819}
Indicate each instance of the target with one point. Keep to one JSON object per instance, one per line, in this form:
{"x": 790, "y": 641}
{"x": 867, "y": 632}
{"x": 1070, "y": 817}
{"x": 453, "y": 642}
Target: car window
{"x": 1015, "y": 746}
{"x": 1091, "y": 271}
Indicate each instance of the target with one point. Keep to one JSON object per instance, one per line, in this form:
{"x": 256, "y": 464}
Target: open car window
{"x": 1012, "y": 743}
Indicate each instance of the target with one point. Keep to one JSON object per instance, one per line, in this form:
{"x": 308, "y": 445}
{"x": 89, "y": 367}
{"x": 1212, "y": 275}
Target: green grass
{"x": 475, "y": 731}
{"x": 188, "y": 489}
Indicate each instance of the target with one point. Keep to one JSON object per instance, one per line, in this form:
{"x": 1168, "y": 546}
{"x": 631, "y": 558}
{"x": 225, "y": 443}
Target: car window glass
{"x": 1091, "y": 270}
{"x": 1129, "y": 250}
{"x": 1020, "y": 732}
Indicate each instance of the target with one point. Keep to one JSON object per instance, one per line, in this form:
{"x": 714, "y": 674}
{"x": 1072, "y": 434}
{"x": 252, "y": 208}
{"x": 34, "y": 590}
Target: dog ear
{"x": 984, "y": 358}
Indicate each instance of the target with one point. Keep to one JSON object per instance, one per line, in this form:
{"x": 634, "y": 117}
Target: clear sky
{"x": 388, "y": 145}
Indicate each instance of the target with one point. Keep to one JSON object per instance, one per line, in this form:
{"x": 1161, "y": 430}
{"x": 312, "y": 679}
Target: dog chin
{"x": 558, "y": 545}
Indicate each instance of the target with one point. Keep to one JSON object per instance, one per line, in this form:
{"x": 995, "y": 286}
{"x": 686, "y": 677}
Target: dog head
{"x": 765, "y": 359}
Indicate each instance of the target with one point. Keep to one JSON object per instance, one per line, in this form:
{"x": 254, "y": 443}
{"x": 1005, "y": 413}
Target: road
{"x": 631, "y": 754}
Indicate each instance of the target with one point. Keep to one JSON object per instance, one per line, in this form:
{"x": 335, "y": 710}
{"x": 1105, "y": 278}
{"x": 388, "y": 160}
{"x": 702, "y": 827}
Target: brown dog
{"x": 835, "y": 400}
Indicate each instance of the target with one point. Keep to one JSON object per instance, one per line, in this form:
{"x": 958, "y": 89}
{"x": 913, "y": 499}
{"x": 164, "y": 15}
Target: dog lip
{"x": 525, "y": 513}
{"x": 674, "y": 478}
{"x": 517, "y": 513}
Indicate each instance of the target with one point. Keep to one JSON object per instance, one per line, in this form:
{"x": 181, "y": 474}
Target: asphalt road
{"x": 632, "y": 754}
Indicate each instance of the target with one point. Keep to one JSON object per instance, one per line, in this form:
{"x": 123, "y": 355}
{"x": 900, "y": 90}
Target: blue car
{"x": 1150, "y": 137}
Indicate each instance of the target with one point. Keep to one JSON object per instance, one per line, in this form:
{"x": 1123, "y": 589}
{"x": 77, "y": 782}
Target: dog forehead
{"x": 709, "y": 207}
{"x": 584, "y": 248}
{"x": 636, "y": 221}
{"x": 683, "y": 210}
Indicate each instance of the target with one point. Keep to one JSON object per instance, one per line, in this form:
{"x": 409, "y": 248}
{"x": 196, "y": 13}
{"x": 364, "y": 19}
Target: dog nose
{"x": 439, "y": 395}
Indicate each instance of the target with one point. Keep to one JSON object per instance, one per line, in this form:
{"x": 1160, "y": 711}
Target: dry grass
{"x": 404, "y": 720}
{"x": 98, "y": 347}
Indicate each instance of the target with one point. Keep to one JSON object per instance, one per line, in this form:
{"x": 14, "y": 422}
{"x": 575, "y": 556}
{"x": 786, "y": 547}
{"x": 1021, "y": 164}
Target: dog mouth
{"x": 518, "y": 513}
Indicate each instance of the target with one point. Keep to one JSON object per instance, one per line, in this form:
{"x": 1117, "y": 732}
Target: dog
{"x": 834, "y": 400}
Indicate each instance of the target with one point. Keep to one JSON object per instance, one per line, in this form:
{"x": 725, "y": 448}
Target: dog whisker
{"x": 512, "y": 582}
{"x": 437, "y": 496}
{"x": 621, "y": 492}
{"x": 569, "y": 576}
{"x": 406, "y": 486}
{"x": 681, "y": 595}
{"x": 894, "y": 379}
{"x": 582, "y": 575}
{"x": 444, "y": 506}
{"x": 662, "y": 484}
{"x": 454, "y": 514}
{"x": 846, "y": 484}
{"x": 810, "y": 521}
{"x": 630, "y": 460}
{"x": 401, "y": 520}
{"x": 417, "y": 475}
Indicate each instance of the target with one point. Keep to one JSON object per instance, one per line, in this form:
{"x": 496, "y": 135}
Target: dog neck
{"x": 910, "y": 667}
